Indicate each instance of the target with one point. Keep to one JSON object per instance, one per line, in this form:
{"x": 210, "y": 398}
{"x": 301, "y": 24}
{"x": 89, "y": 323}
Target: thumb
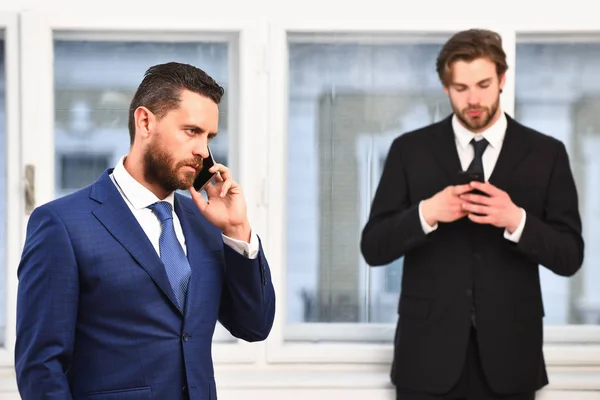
{"x": 201, "y": 203}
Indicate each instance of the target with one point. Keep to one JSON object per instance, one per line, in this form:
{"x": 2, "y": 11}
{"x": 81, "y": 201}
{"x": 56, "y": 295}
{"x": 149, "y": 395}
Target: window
{"x": 79, "y": 169}
{"x": 347, "y": 101}
{"x": 333, "y": 101}
{"x": 3, "y": 192}
{"x": 94, "y": 84}
{"x": 383, "y": 284}
{"x": 558, "y": 93}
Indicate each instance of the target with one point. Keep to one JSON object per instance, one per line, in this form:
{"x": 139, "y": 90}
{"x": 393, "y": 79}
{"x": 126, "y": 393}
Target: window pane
{"x": 3, "y": 199}
{"x": 347, "y": 103}
{"x": 558, "y": 93}
{"x": 94, "y": 84}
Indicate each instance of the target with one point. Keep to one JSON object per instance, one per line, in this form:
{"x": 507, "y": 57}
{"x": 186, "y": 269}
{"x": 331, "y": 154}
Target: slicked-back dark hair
{"x": 160, "y": 90}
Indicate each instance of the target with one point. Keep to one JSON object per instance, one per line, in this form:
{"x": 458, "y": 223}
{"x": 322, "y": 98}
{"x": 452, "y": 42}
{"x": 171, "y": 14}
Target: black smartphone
{"x": 465, "y": 177}
{"x": 205, "y": 176}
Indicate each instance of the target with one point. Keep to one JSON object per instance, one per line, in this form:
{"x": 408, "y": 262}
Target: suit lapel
{"x": 443, "y": 144}
{"x": 515, "y": 147}
{"x": 117, "y": 218}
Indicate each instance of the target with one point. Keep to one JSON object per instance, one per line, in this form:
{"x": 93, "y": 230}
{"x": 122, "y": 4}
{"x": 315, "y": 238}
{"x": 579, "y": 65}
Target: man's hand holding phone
{"x": 446, "y": 205}
{"x": 226, "y": 206}
{"x": 494, "y": 207}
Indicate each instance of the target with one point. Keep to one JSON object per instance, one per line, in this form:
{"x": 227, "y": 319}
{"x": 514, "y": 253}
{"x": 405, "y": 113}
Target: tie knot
{"x": 479, "y": 146}
{"x": 163, "y": 210}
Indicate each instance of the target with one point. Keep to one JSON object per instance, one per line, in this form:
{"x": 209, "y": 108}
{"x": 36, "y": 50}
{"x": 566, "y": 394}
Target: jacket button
{"x": 185, "y": 336}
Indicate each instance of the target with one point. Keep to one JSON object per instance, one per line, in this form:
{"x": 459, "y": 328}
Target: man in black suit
{"x": 470, "y": 311}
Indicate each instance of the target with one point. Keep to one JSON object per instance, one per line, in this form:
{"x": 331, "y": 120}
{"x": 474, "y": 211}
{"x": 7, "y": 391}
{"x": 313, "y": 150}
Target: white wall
{"x": 505, "y": 13}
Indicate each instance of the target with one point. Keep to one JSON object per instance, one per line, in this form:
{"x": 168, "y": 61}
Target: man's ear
{"x": 502, "y": 82}
{"x": 145, "y": 121}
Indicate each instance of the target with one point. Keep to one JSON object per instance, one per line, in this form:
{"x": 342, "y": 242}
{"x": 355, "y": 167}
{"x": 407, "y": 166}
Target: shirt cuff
{"x": 248, "y": 250}
{"x": 516, "y": 235}
{"x": 426, "y": 228}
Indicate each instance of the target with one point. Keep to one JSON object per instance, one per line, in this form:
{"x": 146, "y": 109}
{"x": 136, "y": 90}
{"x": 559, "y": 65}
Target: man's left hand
{"x": 495, "y": 209}
{"x": 226, "y": 206}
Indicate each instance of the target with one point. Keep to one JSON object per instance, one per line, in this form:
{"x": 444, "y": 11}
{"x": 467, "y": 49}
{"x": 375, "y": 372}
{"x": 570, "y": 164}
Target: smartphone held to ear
{"x": 205, "y": 176}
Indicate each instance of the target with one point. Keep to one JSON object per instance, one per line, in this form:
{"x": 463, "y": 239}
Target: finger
{"x": 456, "y": 207}
{"x": 477, "y": 199}
{"x": 225, "y": 187}
{"x": 480, "y": 219}
{"x": 217, "y": 177}
{"x": 458, "y": 212}
{"x": 476, "y": 208}
{"x": 486, "y": 187}
{"x": 460, "y": 189}
{"x": 222, "y": 170}
{"x": 213, "y": 190}
{"x": 462, "y": 214}
{"x": 198, "y": 199}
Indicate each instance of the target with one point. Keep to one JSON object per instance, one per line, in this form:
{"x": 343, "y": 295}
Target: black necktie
{"x": 477, "y": 163}
{"x": 477, "y": 166}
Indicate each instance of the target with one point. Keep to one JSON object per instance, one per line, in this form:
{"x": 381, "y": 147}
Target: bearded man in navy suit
{"x": 121, "y": 283}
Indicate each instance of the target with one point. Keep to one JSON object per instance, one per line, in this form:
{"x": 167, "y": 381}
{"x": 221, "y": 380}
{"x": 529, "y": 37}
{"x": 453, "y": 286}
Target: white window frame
{"x": 341, "y": 343}
{"x": 377, "y": 147}
{"x": 14, "y": 189}
{"x": 567, "y": 344}
{"x": 39, "y": 29}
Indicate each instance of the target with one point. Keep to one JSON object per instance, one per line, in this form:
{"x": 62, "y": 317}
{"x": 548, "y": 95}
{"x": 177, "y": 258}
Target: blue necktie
{"x": 172, "y": 254}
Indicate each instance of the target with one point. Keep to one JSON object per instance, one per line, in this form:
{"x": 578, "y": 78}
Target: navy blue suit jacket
{"x": 96, "y": 315}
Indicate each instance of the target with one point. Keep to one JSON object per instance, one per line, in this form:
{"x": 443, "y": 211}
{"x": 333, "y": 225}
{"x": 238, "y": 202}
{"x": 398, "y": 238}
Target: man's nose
{"x": 201, "y": 148}
{"x": 473, "y": 100}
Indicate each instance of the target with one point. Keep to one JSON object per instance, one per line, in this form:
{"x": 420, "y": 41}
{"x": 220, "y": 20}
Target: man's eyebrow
{"x": 486, "y": 80}
{"x": 199, "y": 129}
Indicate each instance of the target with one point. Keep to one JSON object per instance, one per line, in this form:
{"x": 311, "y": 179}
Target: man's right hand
{"x": 446, "y": 205}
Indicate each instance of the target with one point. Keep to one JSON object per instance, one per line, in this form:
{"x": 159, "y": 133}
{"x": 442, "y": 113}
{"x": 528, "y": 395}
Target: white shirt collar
{"x": 133, "y": 191}
{"x": 494, "y": 134}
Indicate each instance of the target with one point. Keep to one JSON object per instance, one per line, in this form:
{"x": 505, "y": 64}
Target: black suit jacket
{"x": 462, "y": 263}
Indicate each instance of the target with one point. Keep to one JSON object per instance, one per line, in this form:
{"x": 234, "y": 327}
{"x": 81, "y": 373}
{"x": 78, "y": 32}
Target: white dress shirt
{"x": 495, "y": 137}
{"x": 138, "y": 198}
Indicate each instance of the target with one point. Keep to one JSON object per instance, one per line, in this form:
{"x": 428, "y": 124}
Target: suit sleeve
{"x": 47, "y": 300}
{"x": 248, "y": 299}
{"x": 394, "y": 226}
{"x": 555, "y": 240}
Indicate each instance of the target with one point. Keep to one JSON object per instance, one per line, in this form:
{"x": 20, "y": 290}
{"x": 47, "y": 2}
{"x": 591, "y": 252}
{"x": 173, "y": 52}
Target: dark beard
{"x": 159, "y": 169}
{"x": 491, "y": 113}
